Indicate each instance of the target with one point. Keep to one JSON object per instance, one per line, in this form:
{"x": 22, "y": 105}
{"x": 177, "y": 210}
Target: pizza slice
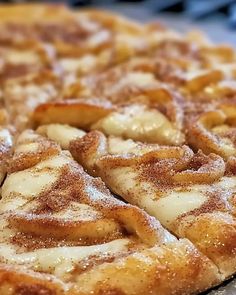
{"x": 191, "y": 194}
{"x": 62, "y": 232}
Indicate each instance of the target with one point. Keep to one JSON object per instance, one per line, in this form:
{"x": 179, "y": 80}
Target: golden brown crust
{"x": 108, "y": 280}
{"x": 120, "y": 277}
{"x": 15, "y": 280}
{"x": 80, "y": 113}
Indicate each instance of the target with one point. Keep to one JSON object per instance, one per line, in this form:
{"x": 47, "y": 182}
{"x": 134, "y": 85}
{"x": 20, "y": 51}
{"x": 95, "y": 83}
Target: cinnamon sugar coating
{"x": 156, "y": 112}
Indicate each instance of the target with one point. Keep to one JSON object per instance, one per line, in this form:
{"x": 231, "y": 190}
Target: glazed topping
{"x": 139, "y": 123}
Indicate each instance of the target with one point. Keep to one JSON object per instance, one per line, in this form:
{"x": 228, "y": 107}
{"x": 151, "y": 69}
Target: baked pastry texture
{"x": 118, "y": 156}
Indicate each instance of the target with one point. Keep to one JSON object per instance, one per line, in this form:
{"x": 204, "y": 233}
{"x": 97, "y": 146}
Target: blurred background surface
{"x": 216, "y": 17}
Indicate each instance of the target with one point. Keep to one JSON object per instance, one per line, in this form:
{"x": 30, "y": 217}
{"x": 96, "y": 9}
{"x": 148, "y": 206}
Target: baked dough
{"x": 191, "y": 194}
{"x": 62, "y": 232}
{"x": 96, "y": 108}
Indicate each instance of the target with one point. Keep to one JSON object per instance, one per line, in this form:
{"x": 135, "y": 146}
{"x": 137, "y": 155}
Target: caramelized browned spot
{"x": 34, "y": 289}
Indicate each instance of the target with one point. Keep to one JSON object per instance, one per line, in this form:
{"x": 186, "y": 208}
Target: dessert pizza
{"x": 118, "y": 156}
